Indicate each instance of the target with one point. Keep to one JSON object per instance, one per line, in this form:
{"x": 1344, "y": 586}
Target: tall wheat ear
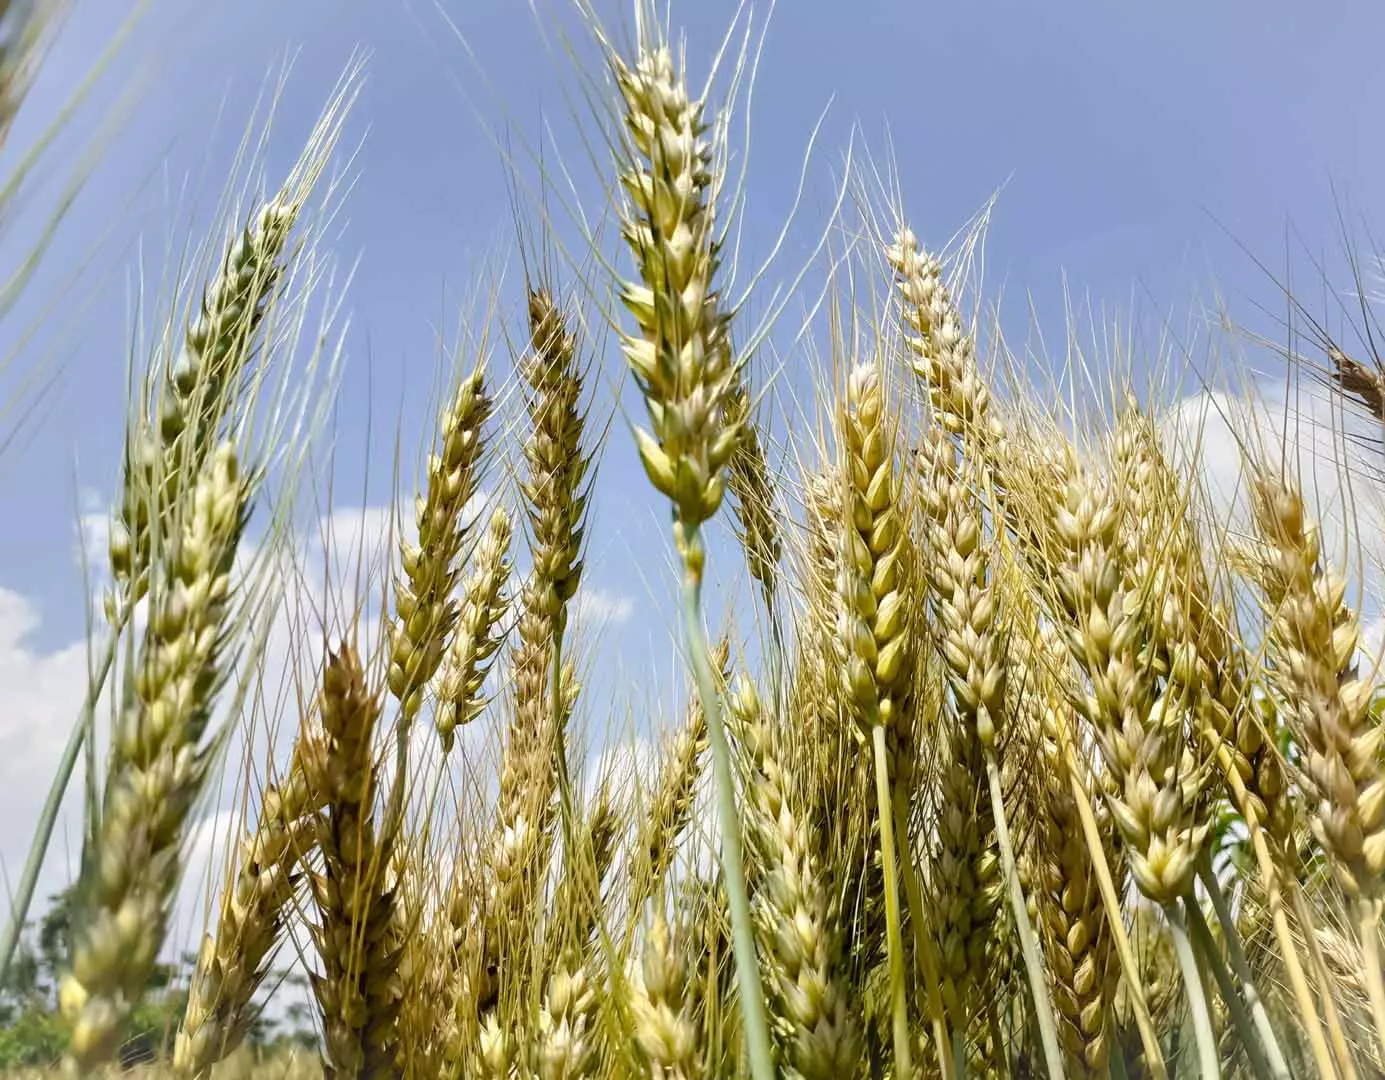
{"x": 1153, "y": 782}
{"x": 1190, "y": 642}
{"x": 680, "y": 355}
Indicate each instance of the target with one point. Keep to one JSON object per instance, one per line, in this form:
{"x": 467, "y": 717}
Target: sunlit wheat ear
{"x": 682, "y": 362}
{"x": 497, "y": 1057}
{"x": 232, "y": 964}
{"x": 1190, "y": 644}
{"x": 425, "y": 607}
{"x": 1325, "y": 699}
{"x": 1155, "y": 785}
{"x": 1189, "y": 627}
{"x": 941, "y": 349}
{"x": 965, "y": 878}
{"x": 668, "y": 812}
{"x": 876, "y": 639}
{"x": 357, "y": 988}
{"x": 875, "y": 575}
{"x": 661, "y": 1001}
{"x": 681, "y": 356}
{"x": 556, "y": 488}
{"x": 478, "y": 636}
{"x": 196, "y": 398}
{"x": 818, "y": 1037}
{"x": 159, "y": 763}
{"x": 566, "y": 1043}
{"x": 753, "y": 495}
{"x": 533, "y": 766}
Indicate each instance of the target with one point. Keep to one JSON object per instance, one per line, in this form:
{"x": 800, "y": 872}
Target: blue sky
{"x": 1139, "y": 147}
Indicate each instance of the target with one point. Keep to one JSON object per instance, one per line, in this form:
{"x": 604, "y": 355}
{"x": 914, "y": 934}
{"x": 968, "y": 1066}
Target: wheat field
{"x": 1017, "y": 754}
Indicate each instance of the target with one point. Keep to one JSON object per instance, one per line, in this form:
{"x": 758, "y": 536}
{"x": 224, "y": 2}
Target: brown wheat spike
{"x": 159, "y": 765}
{"x": 425, "y": 608}
{"x": 661, "y": 1001}
{"x": 232, "y": 964}
{"x": 167, "y": 452}
{"x": 753, "y": 493}
{"x": 1325, "y": 699}
{"x": 1365, "y": 383}
{"x": 681, "y": 357}
{"x": 356, "y": 935}
{"x": 1154, "y": 784}
{"x": 817, "y": 1036}
{"x": 477, "y": 637}
{"x": 671, "y": 803}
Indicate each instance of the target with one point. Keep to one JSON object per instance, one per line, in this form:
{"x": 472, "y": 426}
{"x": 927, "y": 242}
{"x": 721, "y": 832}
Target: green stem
{"x": 1209, "y": 1063}
{"x": 903, "y": 1064}
{"x": 1250, "y": 1040}
{"x": 1278, "y": 1065}
{"x": 1029, "y": 945}
{"x": 48, "y": 819}
{"x": 743, "y": 940}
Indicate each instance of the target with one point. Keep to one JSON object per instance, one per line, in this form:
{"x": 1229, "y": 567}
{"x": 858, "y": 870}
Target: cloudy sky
{"x": 1148, "y": 154}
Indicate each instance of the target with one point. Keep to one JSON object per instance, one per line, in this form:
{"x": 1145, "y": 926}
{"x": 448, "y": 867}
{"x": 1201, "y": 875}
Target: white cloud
{"x": 595, "y": 608}
{"x": 1329, "y": 449}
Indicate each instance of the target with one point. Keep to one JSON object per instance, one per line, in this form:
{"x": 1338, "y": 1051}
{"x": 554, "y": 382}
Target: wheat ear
{"x": 357, "y": 988}
{"x": 1313, "y": 638}
{"x": 1154, "y": 783}
{"x": 753, "y": 495}
{"x": 232, "y": 963}
{"x": 661, "y": 1000}
{"x": 160, "y": 764}
{"x": 477, "y": 637}
{"x": 670, "y": 806}
{"x": 681, "y": 358}
{"x": 817, "y": 1036}
{"x": 875, "y": 634}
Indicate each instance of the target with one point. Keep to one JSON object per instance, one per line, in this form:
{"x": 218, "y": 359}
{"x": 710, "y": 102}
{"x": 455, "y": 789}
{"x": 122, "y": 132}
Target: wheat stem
{"x": 923, "y": 943}
{"x": 1368, "y": 924}
{"x": 1038, "y": 986}
{"x": 1250, "y": 1032}
{"x": 752, "y": 996}
{"x": 1279, "y": 1067}
{"x": 1340, "y": 1049}
{"x": 898, "y": 1006}
{"x": 1209, "y": 1065}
